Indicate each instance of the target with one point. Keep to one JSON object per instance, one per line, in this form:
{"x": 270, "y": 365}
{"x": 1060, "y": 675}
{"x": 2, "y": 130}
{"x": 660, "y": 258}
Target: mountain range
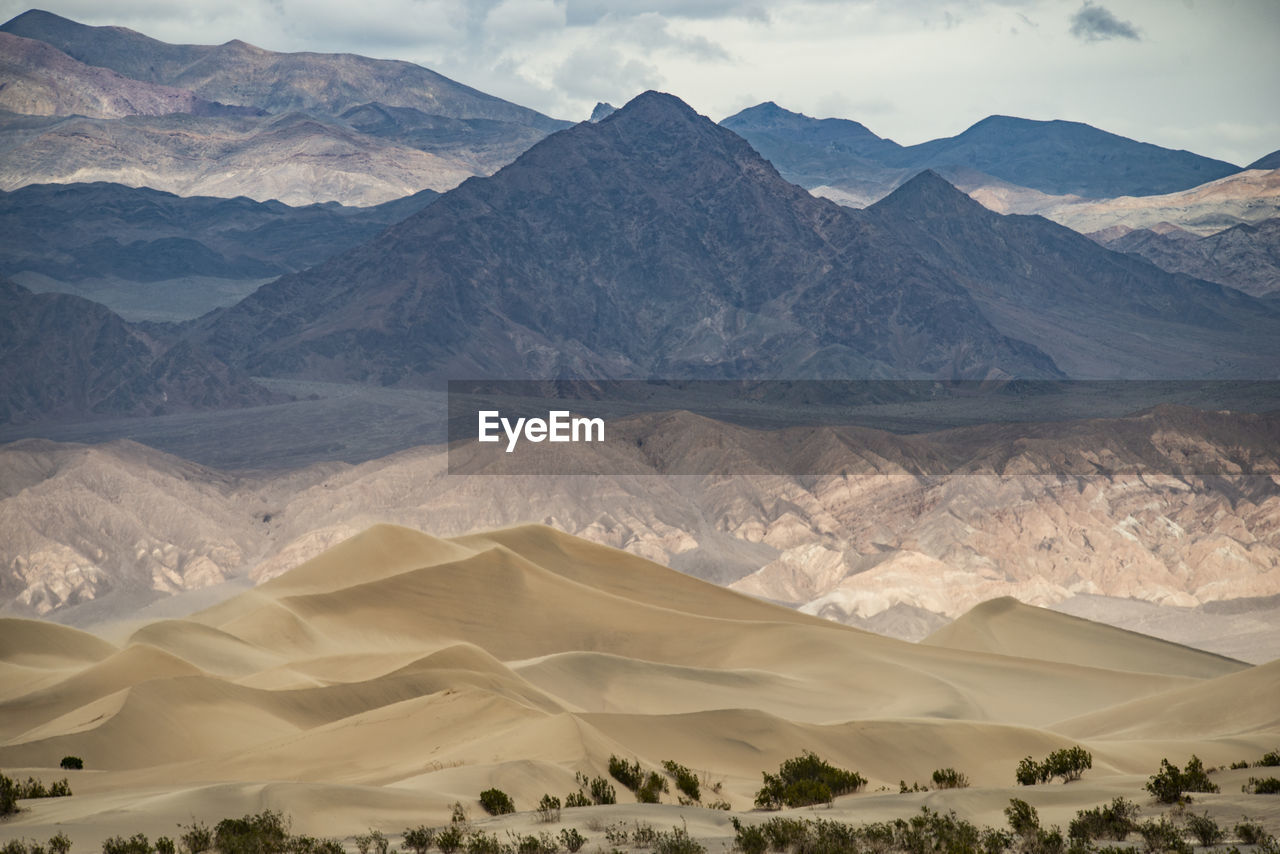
{"x": 234, "y": 119}
{"x": 1056, "y": 157}
{"x": 151, "y": 255}
{"x": 1245, "y": 257}
{"x": 656, "y": 243}
{"x": 707, "y": 263}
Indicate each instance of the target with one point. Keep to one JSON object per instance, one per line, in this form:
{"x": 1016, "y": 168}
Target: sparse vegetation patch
{"x": 806, "y": 780}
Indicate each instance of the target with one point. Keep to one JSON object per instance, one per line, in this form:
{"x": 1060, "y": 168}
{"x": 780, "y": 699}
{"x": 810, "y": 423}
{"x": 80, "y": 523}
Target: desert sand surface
{"x": 396, "y": 673}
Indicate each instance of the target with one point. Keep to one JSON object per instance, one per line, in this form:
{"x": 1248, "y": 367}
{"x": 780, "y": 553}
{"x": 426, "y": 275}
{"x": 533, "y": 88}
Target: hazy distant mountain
{"x": 602, "y": 110}
{"x": 1098, "y": 314}
{"x": 79, "y": 231}
{"x": 295, "y": 158}
{"x": 483, "y": 145}
{"x": 1267, "y": 161}
{"x": 1062, "y": 157}
{"x": 811, "y": 151}
{"x": 65, "y": 356}
{"x": 1056, "y": 157}
{"x": 111, "y": 243}
{"x": 239, "y": 73}
{"x": 1245, "y": 257}
{"x": 651, "y": 243}
{"x": 300, "y": 128}
{"x": 43, "y": 81}
{"x": 1248, "y": 197}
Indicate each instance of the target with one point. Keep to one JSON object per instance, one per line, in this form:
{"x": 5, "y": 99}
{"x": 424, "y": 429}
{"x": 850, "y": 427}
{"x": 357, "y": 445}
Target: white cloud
{"x": 1201, "y": 76}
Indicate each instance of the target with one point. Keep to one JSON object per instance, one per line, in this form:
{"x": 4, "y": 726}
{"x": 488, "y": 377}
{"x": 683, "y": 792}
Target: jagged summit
{"x": 930, "y": 194}
{"x": 602, "y": 109}
{"x": 654, "y": 243}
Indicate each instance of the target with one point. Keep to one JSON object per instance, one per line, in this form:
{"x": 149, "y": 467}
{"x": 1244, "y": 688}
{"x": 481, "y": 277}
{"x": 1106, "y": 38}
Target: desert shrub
{"x": 374, "y": 841}
{"x": 59, "y": 843}
{"x": 1169, "y": 784}
{"x": 643, "y": 835}
{"x": 677, "y": 841}
{"x": 549, "y": 809}
{"x": 264, "y": 833}
{"x": 458, "y": 814}
{"x": 719, "y": 804}
{"x": 1023, "y": 818}
{"x": 572, "y": 840}
{"x": 449, "y": 839}
{"x": 165, "y": 845}
{"x": 303, "y": 844}
{"x": 601, "y": 791}
{"x": 1205, "y": 829}
{"x": 1250, "y": 832}
{"x": 59, "y": 789}
{"x": 1113, "y": 821}
{"x": 1261, "y": 786}
{"x": 1162, "y": 836}
{"x": 419, "y": 839}
{"x": 543, "y": 843}
{"x": 480, "y": 842}
{"x": 1235, "y": 766}
{"x": 496, "y": 802}
{"x": 136, "y": 844}
{"x": 686, "y": 780}
{"x": 196, "y": 838}
{"x": 749, "y": 838}
{"x": 71, "y": 763}
{"x": 591, "y": 790}
{"x": 1069, "y": 763}
{"x": 949, "y": 778}
{"x": 1269, "y": 760}
{"x": 650, "y": 791}
{"x": 1030, "y": 772}
{"x": 904, "y": 789}
{"x": 627, "y": 773}
{"x": 8, "y": 796}
{"x": 617, "y": 834}
{"x": 805, "y": 780}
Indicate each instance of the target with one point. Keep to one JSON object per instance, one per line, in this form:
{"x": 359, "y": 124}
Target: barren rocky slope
{"x": 121, "y": 523}
{"x": 293, "y": 158}
{"x": 328, "y": 127}
{"x": 1245, "y": 257}
{"x": 41, "y": 80}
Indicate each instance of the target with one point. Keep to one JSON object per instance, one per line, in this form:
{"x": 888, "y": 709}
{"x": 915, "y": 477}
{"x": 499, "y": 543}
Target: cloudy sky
{"x": 1195, "y": 74}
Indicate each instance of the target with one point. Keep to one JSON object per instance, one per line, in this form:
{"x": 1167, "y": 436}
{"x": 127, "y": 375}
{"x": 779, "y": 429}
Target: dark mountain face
{"x": 811, "y": 151}
{"x": 239, "y": 73}
{"x": 652, "y": 243}
{"x": 1055, "y": 157}
{"x": 72, "y": 232}
{"x": 1061, "y": 157}
{"x": 1099, "y": 314}
{"x": 1267, "y": 161}
{"x": 1245, "y": 257}
{"x": 63, "y": 356}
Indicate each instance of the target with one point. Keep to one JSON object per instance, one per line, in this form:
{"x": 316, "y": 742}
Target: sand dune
{"x": 429, "y": 669}
{"x": 1007, "y": 627}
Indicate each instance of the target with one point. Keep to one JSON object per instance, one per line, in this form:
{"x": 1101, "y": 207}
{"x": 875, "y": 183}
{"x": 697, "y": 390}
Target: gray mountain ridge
{"x": 1056, "y": 157}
